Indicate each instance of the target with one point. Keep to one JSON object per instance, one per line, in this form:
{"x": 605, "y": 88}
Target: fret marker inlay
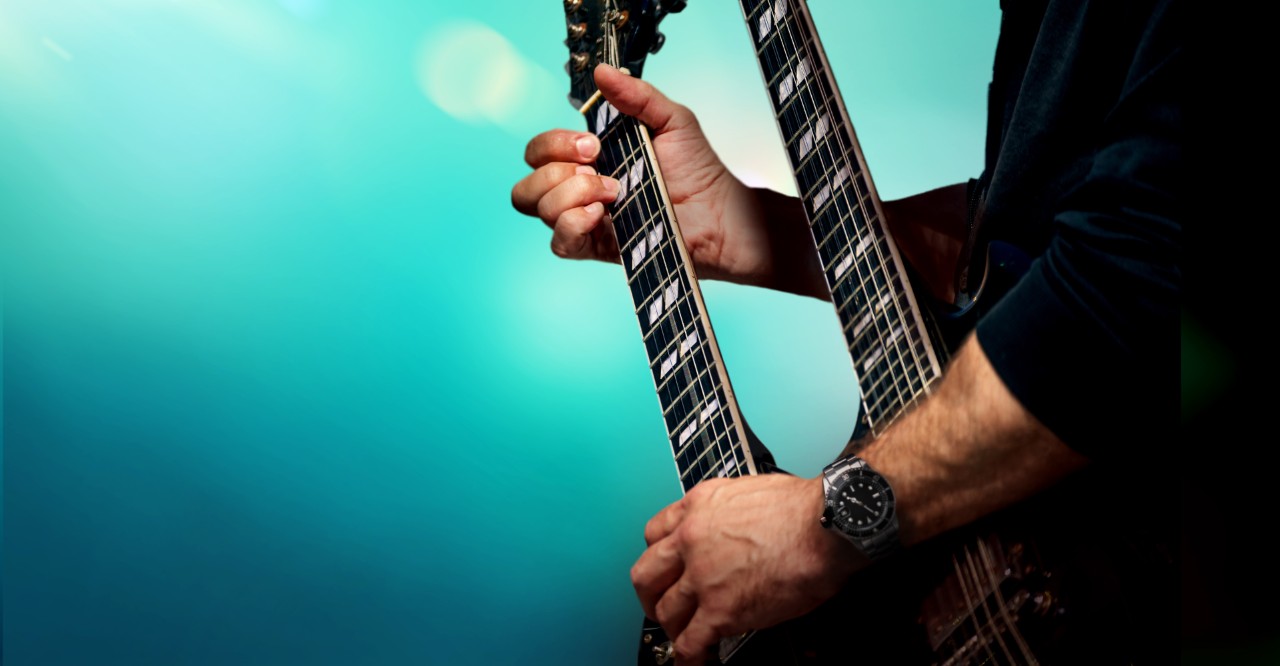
{"x": 823, "y": 195}
{"x": 765, "y": 25}
{"x": 806, "y": 144}
{"x": 844, "y": 265}
{"x": 709, "y": 410}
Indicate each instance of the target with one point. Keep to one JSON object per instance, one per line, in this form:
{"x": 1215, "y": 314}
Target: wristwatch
{"x": 860, "y": 507}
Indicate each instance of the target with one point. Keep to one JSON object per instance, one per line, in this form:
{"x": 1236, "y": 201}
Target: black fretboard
{"x": 883, "y": 329}
{"x": 698, "y": 405}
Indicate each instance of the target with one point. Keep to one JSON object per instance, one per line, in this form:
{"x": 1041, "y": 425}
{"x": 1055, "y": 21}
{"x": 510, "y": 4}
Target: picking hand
{"x": 739, "y": 554}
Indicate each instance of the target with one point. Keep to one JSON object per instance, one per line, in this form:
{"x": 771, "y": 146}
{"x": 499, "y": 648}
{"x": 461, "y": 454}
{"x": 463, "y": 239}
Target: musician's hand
{"x": 732, "y": 232}
{"x": 739, "y": 554}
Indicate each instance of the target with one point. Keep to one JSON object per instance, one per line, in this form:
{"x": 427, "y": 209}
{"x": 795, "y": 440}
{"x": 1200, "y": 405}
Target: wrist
{"x": 841, "y": 557}
{"x": 860, "y": 507}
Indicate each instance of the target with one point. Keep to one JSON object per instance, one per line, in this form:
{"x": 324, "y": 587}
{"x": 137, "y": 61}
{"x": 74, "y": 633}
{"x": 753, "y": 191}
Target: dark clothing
{"x": 1085, "y": 171}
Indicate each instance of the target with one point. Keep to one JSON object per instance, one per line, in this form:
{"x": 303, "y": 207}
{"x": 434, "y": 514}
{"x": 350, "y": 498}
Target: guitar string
{"x": 790, "y": 22}
{"x": 670, "y": 275}
{"x": 678, "y": 413}
{"x": 969, "y": 611}
{"x": 1010, "y": 624}
{"x": 888, "y": 269}
{"x": 722, "y": 412}
{"x": 635, "y": 146}
{"x": 895, "y": 290}
{"x": 992, "y": 619}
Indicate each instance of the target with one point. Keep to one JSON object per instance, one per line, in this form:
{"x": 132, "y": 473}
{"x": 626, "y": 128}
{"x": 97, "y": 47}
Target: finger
{"x": 664, "y": 523}
{"x": 562, "y": 146}
{"x": 676, "y": 607}
{"x": 636, "y": 97}
{"x": 657, "y": 569}
{"x": 692, "y": 643}
{"x": 531, "y": 188}
{"x": 606, "y": 242}
{"x": 580, "y": 190}
{"x": 573, "y": 231}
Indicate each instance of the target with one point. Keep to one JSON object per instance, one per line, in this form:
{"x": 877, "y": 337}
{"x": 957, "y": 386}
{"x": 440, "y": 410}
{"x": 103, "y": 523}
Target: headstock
{"x": 621, "y": 33}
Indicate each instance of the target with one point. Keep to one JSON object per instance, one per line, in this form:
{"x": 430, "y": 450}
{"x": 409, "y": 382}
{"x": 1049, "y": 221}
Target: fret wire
{"x": 846, "y": 144}
{"x": 774, "y": 32}
{"x": 905, "y": 315}
{"x": 693, "y": 382}
{"x": 824, "y": 180}
{"x": 662, "y": 246}
{"x": 722, "y": 411}
{"x": 688, "y": 291}
{"x": 803, "y": 87}
{"x": 753, "y": 15}
{"x": 680, "y": 335}
{"x": 876, "y": 384}
{"x": 633, "y": 150}
{"x": 634, "y": 141}
{"x": 814, "y": 114}
{"x": 669, "y": 345}
{"x": 635, "y": 193}
{"x": 776, "y": 28}
{"x": 720, "y": 463}
{"x": 695, "y": 419}
{"x": 702, "y": 425}
{"x": 697, "y": 397}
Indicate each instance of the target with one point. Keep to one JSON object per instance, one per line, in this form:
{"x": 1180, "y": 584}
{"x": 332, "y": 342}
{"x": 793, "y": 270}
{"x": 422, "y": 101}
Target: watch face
{"x": 862, "y": 503}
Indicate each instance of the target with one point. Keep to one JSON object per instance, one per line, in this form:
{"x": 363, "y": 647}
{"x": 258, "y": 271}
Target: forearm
{"x": 777, "y": 223}
{"x": 968, "y": 450}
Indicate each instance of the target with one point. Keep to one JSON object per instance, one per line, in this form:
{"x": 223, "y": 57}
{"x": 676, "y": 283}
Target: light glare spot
{"x": 475, "y": 75}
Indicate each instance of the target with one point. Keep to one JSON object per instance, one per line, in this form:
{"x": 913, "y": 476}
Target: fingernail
{"x": 595, "y": 208}
{"x": 585, "y": 170}
{"x": 610, "y": 186}
{"x": 588, "y": 145}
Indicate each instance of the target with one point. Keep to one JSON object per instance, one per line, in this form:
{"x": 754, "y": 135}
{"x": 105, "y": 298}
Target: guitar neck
{"x": 703, "y": 422}
{"x": 884, "y": 329}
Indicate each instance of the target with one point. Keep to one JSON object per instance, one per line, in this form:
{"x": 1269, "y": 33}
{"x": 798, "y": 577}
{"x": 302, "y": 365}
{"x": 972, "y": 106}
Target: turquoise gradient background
{"x": 285, "y": 379}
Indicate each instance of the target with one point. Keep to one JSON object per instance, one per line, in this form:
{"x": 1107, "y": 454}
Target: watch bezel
{"x": 844, "y": 481}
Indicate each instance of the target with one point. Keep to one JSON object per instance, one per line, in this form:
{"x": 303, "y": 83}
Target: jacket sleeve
{"x": 1088, "y": 340}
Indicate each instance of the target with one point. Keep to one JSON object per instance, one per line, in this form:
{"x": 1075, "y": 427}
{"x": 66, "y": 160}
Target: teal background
{"x": 286, "y": 381}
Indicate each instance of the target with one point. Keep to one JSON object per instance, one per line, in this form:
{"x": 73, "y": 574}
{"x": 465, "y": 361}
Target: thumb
{"x": 641, "y": 100}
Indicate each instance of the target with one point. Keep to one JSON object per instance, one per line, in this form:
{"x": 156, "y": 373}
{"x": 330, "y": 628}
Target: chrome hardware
{"x": 664, "y": 653}
{"x": 618, "y": 17}
{"x": 577, "y": 30}
{"x": 579, "y": 61}
{"x": 571, "y": 6}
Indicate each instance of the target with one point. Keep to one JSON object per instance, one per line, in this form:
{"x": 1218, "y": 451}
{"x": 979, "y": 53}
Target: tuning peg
{"x": 658, "y": 40}
{"x": 571, "y": 6}
{"x": 577, "y": 30}
{"x": 579, "y": 61}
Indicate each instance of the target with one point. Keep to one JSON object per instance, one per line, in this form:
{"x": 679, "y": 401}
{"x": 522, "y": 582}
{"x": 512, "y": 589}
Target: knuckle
{"x": 586, "y": 185}
{"x": 637, "y": 580}
{"x": 686, "y": 649}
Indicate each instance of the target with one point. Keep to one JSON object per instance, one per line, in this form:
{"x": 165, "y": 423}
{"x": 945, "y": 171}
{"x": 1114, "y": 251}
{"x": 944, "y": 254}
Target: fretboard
{"x": 886, "y": 335}
{"x": 701, "y": 414}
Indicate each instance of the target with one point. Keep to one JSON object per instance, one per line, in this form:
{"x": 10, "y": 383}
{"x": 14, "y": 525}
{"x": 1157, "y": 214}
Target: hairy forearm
{"x": 966, "y": 451}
